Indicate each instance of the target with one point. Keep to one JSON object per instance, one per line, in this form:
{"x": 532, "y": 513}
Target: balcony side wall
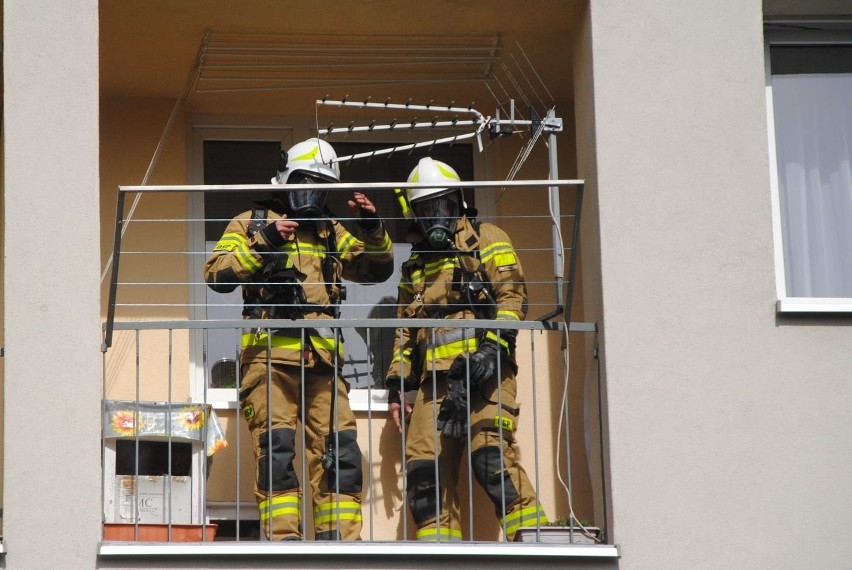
{"x": 727, "y": 423}
{"x": 50, "y": 119}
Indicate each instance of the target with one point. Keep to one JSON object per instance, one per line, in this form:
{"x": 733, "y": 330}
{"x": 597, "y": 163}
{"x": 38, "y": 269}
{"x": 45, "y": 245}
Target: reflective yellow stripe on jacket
{"x": 403, "y": 356}
{"x": 239, "y": 245}
{"x": 419, "y": 276}
{"x": 289, "y": 342}
{"x": 501, "y": 252}
{"x": 451, "y": 349}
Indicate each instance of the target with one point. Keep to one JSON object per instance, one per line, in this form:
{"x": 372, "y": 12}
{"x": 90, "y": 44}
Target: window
{"x": 810, "y": 100}
{"x": 254, "y": 162}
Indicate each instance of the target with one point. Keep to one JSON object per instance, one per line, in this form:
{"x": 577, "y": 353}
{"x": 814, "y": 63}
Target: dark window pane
{"x": 791, "y": 60}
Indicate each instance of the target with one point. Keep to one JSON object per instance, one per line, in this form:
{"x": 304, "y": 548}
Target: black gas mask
{"x": 308, "y": 203}
{"x": 438, "y": 217}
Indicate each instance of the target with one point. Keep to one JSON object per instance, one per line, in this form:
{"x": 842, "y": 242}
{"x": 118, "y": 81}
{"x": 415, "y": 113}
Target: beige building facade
{"x": 722, "y": 412}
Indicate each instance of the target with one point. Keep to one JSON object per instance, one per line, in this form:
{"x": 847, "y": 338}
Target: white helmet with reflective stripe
{"x": 439, "y": 209}
{"x": 430, "y": 170}
{"x": 311, "y": 158}
{"x": 309, "y": 164}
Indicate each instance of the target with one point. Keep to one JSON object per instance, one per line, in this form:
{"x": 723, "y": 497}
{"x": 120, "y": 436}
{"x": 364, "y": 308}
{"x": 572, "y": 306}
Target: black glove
{"x": 396, "y": 385}
{"x": 483, "y": 363}
{"x": 369, "y": 221}
{"x": 452, "y": 417}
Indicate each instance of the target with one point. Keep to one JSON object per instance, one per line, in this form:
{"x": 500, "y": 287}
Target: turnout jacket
{"x": 444, "y": 285}
{"x": 295, "y": 278}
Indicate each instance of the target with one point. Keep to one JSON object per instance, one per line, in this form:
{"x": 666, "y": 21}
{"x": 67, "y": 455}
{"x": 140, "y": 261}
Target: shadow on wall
{"x": 379, "y": 340}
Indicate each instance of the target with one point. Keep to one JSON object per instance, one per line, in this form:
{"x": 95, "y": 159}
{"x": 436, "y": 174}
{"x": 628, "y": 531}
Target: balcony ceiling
{"x": 270, "y": 56}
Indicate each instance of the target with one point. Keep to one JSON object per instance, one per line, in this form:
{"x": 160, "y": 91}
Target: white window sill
{"x": 360, "y": 400}
{"x": 814, "y": 305}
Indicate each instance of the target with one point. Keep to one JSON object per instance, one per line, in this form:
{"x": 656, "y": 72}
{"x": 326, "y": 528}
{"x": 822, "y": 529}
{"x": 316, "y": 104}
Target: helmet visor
{"x": 307, "y": 203}
{"x": 438, "y": 217}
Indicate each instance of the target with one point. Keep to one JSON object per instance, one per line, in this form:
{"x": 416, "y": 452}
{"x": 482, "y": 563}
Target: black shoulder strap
{"x": 258, "y": 221}
{"x": 328, "y": 266}
{"x": 478, "y": 286}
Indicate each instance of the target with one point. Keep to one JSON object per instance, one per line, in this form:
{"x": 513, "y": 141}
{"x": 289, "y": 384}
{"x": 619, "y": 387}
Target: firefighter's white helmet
{"x": 311, "y": 158}
{"x": 438, "y": 209}
{"x": 429, "y": 170}
{"x": 309, "y": 164}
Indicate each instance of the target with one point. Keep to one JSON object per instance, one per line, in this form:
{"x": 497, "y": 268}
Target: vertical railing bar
{"x": 336, "y": 424}
{"x": 370, "y": 365}
{"x": 135, "y": 510}
{"x": 304, "y": 479}
{"x": 169, "y": 435}
{"x": 402, "y": 418}
{"x": 435, "y": 440}
{"x": 535, "y": 436}
{"x": 205, "y": 415}
{"x": 468, "y": 435}
{"x": 237, "y": 378}
{"x": 500, "y": 438}
{"x": 269, "y": 504}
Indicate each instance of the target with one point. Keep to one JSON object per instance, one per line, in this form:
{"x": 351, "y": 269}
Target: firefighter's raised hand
{"x": 361, "y": 204}
{"x": 365, "y": 212}
{"x": 285, "y": 227}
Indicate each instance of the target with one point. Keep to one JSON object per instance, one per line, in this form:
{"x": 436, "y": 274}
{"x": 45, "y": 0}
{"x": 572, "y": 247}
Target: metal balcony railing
{"x": 178, "y": 462}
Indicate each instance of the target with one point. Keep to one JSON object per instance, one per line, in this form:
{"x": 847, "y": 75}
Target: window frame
{"x": 794, "y": 37}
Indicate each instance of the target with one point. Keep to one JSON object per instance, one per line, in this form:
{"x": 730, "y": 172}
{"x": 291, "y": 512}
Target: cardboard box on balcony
{"x": 147, "y": 498}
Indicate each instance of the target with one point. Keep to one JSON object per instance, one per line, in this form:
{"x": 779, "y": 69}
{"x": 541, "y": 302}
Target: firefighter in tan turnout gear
{"x": 289, "y": 256}
{"x": 459, "y": 269}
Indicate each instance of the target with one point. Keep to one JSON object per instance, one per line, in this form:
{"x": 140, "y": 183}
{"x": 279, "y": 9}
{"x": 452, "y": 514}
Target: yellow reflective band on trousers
{"x": 279, "y": 506}
{"x": 340, "y": 511}
{"x": 451, "y": 350}
{"x": 289, "y": 342}
{"x": 439, "y": 535}
{"x": 530, "y": 516}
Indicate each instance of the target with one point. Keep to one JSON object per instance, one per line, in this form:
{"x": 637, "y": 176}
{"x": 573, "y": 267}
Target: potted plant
{"x": 564, "y": 530}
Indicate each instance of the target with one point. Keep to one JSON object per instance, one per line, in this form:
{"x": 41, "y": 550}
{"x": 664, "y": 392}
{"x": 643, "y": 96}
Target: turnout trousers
{"x": 431, "y": 485}
{"x": 271, "y": 400}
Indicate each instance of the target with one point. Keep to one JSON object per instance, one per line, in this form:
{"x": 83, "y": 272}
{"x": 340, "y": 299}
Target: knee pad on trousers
{"x": 328, "y": 535}
{"x": 421, "y": 490}
{"x": 347, "y": 459}
{"x": 281, "y": 458}
{"x": 488, "y": 468}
